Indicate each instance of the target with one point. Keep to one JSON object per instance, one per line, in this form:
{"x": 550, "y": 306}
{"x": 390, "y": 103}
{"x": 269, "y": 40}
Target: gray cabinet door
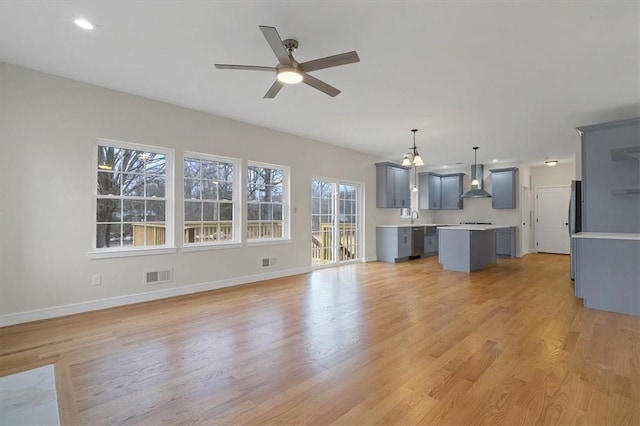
{"x": 423, "y": 191}
{"x": 390, "y": 188}
{"x": 506, "y": 242}
{"x": 404, "y": 242}
{"x": 503, "y": 243}
{"x": 401, "y": 188}
{"x": 451, "y": 190}
{"x": 431, "y": 244}
{"x": 503, "y": 189}
{"x": 435, "y": 187}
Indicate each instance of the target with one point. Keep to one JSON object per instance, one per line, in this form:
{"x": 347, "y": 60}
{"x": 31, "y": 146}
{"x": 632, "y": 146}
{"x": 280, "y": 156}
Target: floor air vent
{"x": 268, "y": 261}
{"x": 157, "y": 277}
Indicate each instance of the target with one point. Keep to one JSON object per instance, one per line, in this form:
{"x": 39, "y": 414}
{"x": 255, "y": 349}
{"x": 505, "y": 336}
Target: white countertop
{"x": 607, "y": 235}
{"x": 414, "y": 225}
{"x": 474, "y": 227}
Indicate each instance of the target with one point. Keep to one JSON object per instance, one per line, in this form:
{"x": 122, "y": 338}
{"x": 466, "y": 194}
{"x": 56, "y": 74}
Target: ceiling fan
{"x": 290, "y": 71}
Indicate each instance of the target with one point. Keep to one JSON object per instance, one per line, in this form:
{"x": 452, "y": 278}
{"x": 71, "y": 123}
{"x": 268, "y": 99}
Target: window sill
{"x": 108, "y": 254}
{"x": 206, "y": 247}
{"x": 256, "y": 243}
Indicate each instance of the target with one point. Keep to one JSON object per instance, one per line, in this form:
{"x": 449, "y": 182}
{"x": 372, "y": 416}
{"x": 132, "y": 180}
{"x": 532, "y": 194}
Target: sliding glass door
{"x": 335, "y": 222}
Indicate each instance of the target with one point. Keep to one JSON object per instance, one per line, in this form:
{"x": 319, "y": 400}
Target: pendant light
{"x": 413, "y": 156}
{"x": 475, "y": 183}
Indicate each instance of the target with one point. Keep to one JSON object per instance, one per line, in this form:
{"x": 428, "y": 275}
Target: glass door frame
{"x": 336, "y": 222}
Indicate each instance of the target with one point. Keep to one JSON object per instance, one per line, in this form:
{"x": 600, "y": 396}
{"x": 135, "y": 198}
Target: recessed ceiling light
{"x": 84, "y": 24}
{"x": 495, "y": 160}
{"x": 551, "y": 162}
{"x": 445, "y": 166}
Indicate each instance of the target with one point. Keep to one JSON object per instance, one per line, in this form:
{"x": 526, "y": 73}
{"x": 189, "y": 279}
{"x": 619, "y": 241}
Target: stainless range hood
{"x": 477, "y": 179}
{"x": 477, "y": 172}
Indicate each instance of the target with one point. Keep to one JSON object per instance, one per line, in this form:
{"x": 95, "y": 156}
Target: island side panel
{"x": 454, "y": 249}
{"x": 482, "y": 249}
{"x": 607, "y": 274}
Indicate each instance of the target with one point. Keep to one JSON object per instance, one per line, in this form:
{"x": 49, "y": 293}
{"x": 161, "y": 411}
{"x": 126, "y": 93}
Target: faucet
{"x": 412, "y": 218}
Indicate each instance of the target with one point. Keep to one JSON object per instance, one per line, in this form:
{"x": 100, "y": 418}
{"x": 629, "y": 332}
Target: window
{"x": 132, "y": 199}
{"x": 210, "y": 199}
{"x": 267, "y": 202}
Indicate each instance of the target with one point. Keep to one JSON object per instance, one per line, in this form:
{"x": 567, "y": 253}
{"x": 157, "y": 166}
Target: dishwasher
{"x": 417, "y": 239}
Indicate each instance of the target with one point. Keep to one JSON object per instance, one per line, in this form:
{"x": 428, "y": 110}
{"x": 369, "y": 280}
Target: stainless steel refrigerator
{"x": 575, "y": 220}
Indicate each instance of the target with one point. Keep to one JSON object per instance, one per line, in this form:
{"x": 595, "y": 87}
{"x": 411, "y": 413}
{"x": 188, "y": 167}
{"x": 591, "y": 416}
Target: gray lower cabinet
{"x": 440, "y": 192}
{"x": 392, "y": 186}
{"x": 503, "y": 188}
{"x": 430, "y": 244}
{"x": 506, "y": 242}
{"x": 393, "y": 243}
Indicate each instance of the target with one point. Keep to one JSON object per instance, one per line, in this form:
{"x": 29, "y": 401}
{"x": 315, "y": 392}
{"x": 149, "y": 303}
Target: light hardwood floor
{"x": 361, "y": 344}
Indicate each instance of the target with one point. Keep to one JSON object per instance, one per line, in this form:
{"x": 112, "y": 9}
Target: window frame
{"x": 236, "y": 185}
{"x": 169, "y": 199}
{"x": 286, "y": 204}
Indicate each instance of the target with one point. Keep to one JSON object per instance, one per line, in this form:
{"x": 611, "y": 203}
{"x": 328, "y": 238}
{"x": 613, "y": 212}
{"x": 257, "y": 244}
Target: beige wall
{"x": 47, "y": 130}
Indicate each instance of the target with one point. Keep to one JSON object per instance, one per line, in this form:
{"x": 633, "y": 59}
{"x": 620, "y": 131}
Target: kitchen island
{"x": 467, "y": 248}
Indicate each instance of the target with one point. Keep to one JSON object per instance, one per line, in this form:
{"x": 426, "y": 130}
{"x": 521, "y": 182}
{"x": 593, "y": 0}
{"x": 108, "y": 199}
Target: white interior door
{"x": 552, "y": 216}
{"x": 525, "y": 234}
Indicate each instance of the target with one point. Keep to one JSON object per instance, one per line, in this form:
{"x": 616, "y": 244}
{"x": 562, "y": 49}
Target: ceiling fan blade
{"x": 330, "y": 61}
{"x": 273, "y": 90}
{"x": 244, "y": 67}
{"x": 274, "y": 40}
{"x": 320, "y": 85}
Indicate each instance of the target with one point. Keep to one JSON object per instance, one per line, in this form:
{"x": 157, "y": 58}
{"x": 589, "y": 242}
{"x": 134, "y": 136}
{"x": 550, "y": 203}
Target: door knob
{"x": 566, "y": 223}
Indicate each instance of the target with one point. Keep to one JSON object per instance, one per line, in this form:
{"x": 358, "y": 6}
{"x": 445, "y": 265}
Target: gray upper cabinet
{"x": 440, "y": 192}
{"x": 503, "y": 188}
{"x": 451, "y": 191}
{"x": 611, "y": 176}
{"x": 392, "y": 181}
{"x": 429, "y": 195}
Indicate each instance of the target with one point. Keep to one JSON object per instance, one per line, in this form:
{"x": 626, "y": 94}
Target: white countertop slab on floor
{"x": 474, "y": 227}
{"x": 607, "y": 235}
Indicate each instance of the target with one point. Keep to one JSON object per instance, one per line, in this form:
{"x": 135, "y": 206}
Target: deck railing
{"x": 322, "y": 243}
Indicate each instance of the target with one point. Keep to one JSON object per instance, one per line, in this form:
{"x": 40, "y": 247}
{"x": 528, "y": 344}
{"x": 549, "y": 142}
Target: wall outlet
{"x": 96, "y": 279}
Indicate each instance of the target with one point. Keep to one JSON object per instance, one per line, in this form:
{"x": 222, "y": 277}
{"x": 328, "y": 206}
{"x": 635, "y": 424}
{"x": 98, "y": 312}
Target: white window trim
{"x": 169, "y": 246}
{"x": 109, "y": 254}
{"x": 286, "y": 205}
{"x": 236, "y": 201}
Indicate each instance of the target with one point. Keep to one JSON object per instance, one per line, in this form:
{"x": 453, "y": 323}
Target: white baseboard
{"x": 93, "y": 305}
{"x": 371, "y": 259}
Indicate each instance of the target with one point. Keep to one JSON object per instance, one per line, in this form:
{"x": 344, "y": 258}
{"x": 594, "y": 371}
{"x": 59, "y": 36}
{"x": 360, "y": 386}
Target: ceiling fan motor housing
{"x": 290, "y": 44}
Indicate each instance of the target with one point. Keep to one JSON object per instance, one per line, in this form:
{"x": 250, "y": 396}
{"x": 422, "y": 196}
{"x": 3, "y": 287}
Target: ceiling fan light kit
{"x": 289, "y": 75}
{"x": 288, "y": 70}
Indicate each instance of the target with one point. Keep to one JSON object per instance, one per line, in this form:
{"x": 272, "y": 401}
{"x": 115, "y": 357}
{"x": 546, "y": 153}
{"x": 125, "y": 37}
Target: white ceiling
{"x": 514, "y": 78}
